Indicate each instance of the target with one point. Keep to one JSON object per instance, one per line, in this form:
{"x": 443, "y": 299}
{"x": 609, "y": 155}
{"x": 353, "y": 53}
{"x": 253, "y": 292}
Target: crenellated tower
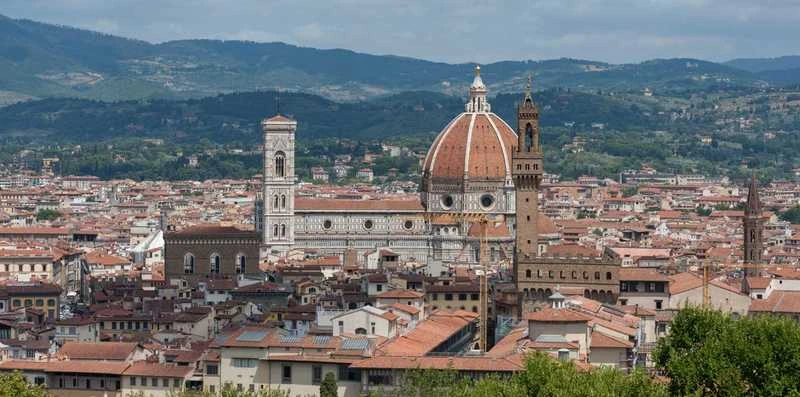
{"x": 527, "y": 169}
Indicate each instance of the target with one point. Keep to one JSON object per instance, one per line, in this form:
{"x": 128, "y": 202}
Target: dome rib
{"x": 468, "y": 147}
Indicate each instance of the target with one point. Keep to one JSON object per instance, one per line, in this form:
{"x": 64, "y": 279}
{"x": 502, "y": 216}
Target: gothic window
{"x": 215, "y": 263}
{"x": 280, "y": 164}
{"x": 283, "y": 230}
{"x": 188, "y": 263}
{"x": 608, "y": 275}
{"x": 241, "y": 263}
{"x": 275, "y": 230}
{"x": 283, "y": 201}
{"x": 528, "y": 137}
{"x": 528, "y": 273}
{"x": 276, "y": 202}
{"x": 597, "y": 275}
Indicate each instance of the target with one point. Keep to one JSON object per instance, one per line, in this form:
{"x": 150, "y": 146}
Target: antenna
{"x": 278, "y": 102}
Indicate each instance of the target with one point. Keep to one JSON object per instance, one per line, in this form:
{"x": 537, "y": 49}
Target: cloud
{"x": 104, "y": 25}
{"x": 454, "y": 30}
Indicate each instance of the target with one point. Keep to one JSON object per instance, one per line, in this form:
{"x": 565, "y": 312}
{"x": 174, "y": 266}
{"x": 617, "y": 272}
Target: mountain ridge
{"x": 39, "y": 60}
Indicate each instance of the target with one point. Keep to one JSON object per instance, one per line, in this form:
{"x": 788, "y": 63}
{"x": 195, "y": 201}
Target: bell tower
{"x": 277, "y": 227}
{"x": 527, "y": 169}
{"x": 753, "y": 230}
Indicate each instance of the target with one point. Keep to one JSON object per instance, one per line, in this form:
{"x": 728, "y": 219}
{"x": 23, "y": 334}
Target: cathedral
{"x": 477, "y": 165}
{"x": 467, "y": 170}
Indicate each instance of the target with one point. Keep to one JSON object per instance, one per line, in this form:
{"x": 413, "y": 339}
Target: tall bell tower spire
{"x": 527, "y": 169}
{"x": 753, "y": 229}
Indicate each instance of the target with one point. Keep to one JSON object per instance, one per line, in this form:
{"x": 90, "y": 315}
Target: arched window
{"x": 528, "y": 273}
{"x": 283, "y": 230}
{"x": 283, "y": 201}
{"x": 188, "y": 263}
{"x": 361, "y": 331}
{"x": 280, "y": 164}
{"x": 608, "y": 275}
{"x": 275, "y": 205}
{"x": 597, "y": 275}
{"x": 241, "y": 263}
{"x": 215, "y": 263}
{"x": 275, "y": 230}
{"x": 528, "y": 137}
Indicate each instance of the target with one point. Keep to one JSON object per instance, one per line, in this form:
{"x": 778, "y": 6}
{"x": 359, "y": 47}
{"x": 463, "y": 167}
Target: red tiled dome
{"x": 476, "y": 145}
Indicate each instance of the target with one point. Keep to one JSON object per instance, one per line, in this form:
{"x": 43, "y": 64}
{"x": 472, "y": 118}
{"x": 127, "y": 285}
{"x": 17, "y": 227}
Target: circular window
{"x": 368, "y": 224}
{"x": 327, "y": 224}
{"x": 447, "y": 201}
{"x": 487, "y": 201}
{"x": 408, "y": 225}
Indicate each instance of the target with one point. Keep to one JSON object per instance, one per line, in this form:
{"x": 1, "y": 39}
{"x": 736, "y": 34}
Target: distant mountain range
{"x": 39, "y": 60}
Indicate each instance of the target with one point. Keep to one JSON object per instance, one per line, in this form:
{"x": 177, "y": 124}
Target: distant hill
{"x": 756, "y": 65}
{"x": 234, "y": 117}
{"x": 41, "y": 61}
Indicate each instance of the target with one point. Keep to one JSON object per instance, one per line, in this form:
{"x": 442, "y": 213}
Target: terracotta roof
{"x": 56, "y": 231}
{"x": 640, "y": 274}
{"x": 571, "y": 250}
{"x": 682, "y": 282}
{"x": 557, "y": 316}
{"x": 600, "y": 340}
{"x": 403, "y": 308}
{"x": 463, "y": 363}
{"x": 473, "y": 145}
{"x": 400, "y": 294}
{"x": 429, "y": 334}
{"x": 116, "y": 351}
{"x": 545, "y": 225}
{"x": 103, "y": 259}
{"x": 778, "y": 302}
{"x": 758, "y": 282}
{"x": 66, "y": 366}
{"x": 143, "y": 368}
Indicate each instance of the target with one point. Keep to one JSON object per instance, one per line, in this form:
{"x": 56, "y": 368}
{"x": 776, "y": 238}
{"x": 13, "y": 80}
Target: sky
{"x": 617, "y": 31}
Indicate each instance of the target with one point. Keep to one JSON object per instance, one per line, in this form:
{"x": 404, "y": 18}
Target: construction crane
{"x": 482, "y": 219}
{"x": 707, "y": 279}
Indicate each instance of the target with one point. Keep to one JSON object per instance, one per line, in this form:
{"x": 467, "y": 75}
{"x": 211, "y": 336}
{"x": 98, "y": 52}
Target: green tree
{"x": 47, "y": 215}
{"x": 710, "y": 353}
{"x": 791, "y": 215}
{"x": 328, "y": 387}
{"x": 629, "y": 191}
{"x": 702, "y": 211}
{"x": 15, "y": 385}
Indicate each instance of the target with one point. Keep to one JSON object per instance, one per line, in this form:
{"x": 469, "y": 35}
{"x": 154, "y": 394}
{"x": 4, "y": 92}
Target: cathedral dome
{"x": 475, "y": 145}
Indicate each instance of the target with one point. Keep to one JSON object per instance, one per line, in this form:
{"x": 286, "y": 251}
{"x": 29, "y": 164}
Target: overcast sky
{"x": 454, "y": 30}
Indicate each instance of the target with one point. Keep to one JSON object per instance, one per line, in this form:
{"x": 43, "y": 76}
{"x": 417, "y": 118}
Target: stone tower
{"x": 753, "y": 229}
{"x": 527, "y": 168}
{"x": 277, "y": 227}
